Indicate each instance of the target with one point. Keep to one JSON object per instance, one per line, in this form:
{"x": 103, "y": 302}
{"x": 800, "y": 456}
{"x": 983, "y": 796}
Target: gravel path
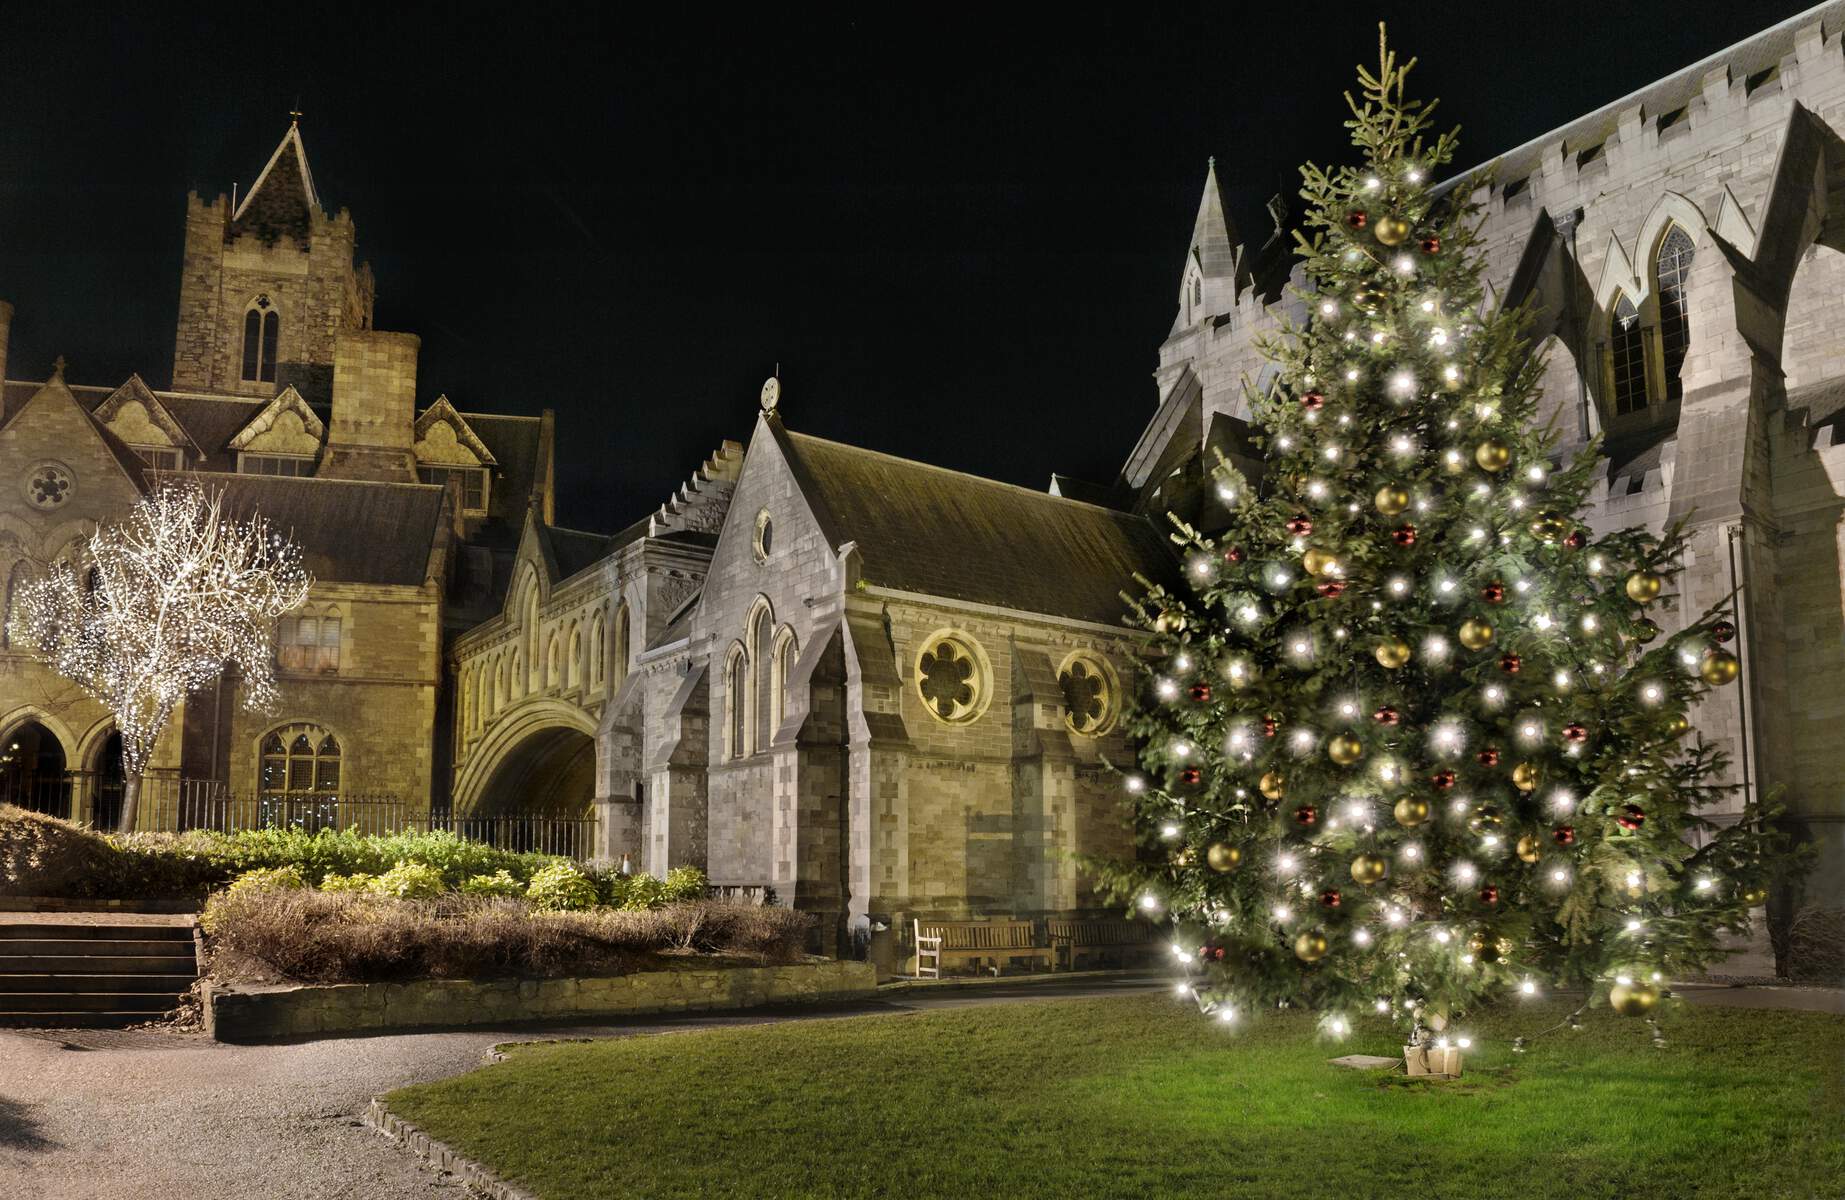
{"x": 175, "y": 1116}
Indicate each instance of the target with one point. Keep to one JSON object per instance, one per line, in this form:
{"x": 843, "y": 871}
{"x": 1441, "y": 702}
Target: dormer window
{"x": 262, "y": 328}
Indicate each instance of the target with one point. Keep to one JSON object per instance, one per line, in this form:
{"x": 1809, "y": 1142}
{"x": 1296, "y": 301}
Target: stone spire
{"x": 1213, "y": 272}
{"x": 282, "y": 201}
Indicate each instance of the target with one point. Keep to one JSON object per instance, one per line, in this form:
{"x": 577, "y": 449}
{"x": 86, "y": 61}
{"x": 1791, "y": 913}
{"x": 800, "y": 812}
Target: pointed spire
{"x": 282, "y": 200}
{"x": 57, "y": 370}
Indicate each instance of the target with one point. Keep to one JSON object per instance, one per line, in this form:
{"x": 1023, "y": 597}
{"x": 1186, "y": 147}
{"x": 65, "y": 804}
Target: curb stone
{"x": 440, "y": 1155}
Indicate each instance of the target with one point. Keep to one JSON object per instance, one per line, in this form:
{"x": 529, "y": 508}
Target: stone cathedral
{"x": 847, "y": 677}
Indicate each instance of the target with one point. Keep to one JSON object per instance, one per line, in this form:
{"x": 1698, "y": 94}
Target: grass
{"x": 1139, "y": 1097}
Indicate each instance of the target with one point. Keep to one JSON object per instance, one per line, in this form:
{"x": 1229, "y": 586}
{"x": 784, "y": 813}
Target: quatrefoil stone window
{"x": 49, "y": 485}
{"x": 1088, "y": 694}
{"x": 951, "y": 679}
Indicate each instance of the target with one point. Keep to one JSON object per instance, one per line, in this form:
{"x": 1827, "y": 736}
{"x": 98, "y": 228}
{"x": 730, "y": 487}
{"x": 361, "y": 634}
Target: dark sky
{"x": 958, "y": 228}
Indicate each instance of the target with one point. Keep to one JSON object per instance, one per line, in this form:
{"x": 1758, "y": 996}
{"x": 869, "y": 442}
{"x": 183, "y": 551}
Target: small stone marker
{"x": 1364, "y": 1062}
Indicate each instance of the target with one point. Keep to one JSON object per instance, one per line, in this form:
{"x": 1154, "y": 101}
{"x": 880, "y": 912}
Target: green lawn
{"x": 1141, "y": 1097}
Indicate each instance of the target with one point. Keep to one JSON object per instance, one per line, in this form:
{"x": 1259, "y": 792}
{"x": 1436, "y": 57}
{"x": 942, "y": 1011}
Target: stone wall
{"x": 252, "y": 1013}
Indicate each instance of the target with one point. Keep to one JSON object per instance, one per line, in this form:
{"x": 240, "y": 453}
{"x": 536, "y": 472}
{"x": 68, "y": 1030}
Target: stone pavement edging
{"x": 236, "y": 1013}
{"x": 440, "y": 1155}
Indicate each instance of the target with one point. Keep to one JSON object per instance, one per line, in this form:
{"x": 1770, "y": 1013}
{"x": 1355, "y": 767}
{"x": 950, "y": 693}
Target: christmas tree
{"x": 1412, "y": 736}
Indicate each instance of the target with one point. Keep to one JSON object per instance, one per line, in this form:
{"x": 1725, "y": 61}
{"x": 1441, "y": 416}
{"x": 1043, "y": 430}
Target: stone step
{"x": 129, "y": 967}
{"x": 19, "y": 1004}
{"x": 74, "y": 930}
{"x": 73, "y": 1020}
{"x": 96, "y": 947}
{"x": 84, "y": 985}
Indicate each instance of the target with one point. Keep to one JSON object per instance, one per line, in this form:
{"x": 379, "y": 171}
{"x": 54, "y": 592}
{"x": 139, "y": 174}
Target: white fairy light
{"x": 1181, "y": 749}
{"x": 1402, "y": 444}
{"x": 1409, "y": 852}
{"x": 1285, "y": 442}
{"x": 1634, "y": 879}
{"x": 1388, "y": 771}
{"x": 1404, "y": 264}
{"x": 1476, "y": 533}
{"x": 1397, "y": 586}
{"x": 1378, "y": 338}
{"x": 1414, "y": 175}
{"x": 1562, "y": 802}
{"x": 1482, "y": 491}
{"x": 1182, "y": 663}
{"x": 1635, "y": 925}
{"x": 1302, "y": 740}
{"x": 1652, "y": 693}
{"x": 1169, "y": 831}
{"x": 1596, "y": 564}
{"x": 1351, "y": 375}
{"x": 163, "y": 602}
{"x": 1401, "y": 385}
{"x": 1530, "y": 731}
{"x": 1494, "y": 695}
{"x": 1201, "y": 567}
{"x": 1463, "y": 1042}
{"x": 1451, "y": 373}
{"x": 1371, "y": 183}
{"x": 1382, "y": 1006}
{"x": 1285, "y": 864}
{"x": 1167, "y": 689}
{"x": 1435, "y": 648}
{"x": 1316, "y": 489}
{"x": 1438, "y": 336}
{"x": 1329, "y": 308}
{"x": 1448, "y": 736}
{"x": 1559, "y": 875}
{"x": 1561, "y": 681}
{"x": 1706, "y": 884}
{"x": 1183, "y": 989}
{"x": 1446, "y": 586}
{"x": 1535, "y": 474}
{"x": 1237, "y": 670}
{"x": 1465, "y": 873}
{"x": 1282, "y": 914}
{"x": 1226, "y": 493}
{"x": 1149, "y": 902}
{"x": 1543, "y": 621}
{"x": 1527, "y": 987}
{"x": 1331, "y": 453}
{"x": 1339, "y": 1026}
{"x": 1443, "y": 936}
{"x": 1452, "y": 458}
{"x": 1136, "y": 784}
{"x": 1226, "y": 1015}
{"x": 1179, "y": 952}
{"x": 1589, "y": 623}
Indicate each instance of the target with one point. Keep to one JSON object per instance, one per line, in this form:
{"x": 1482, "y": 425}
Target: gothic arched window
{"x": 1627, "y": 357}
{"x": 736, "y": 703}
{"x": 621, "y": 645}
{"x": 781, "y": 670}
{"x": 1674, "y": 267}
{"x": 299, "y": 762}
{"x": 262, "y": 329}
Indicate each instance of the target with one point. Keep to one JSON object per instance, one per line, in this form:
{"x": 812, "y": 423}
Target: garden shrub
{"x": 500, "y": 883}
{"x": 356, "y": 882}
{"x": 269, "y": 879}
{"x": 560, "y": 887}
{"x": 43, "y": 856}
{"x": 641, "y": 893}
{"x": 410, "y": 881}
{"x": 684, "y": 885}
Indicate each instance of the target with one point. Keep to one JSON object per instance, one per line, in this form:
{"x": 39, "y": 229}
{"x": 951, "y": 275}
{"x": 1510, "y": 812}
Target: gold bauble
{"x": 1317, "y": 561}
{"x": 1391, "y": 500}
{"x": 1368, "y": 869}
{"x": 1411, "y": 811}
{"x": 1272, "y": 785}
{"x": 1633, "y": 999}
{"x": 1548, "y": 526}
{"x": 1184, "y": 856}
{"x": 1392, "y": 654}
{"x": 1391, "y": 231}
{"x": 1170, "y": 620}
{"x": 1679, "y": 725}
{"x": 1485, "y": 819}
{"x": 1476, "y": 634}
{"x": 1755, "y": 896}
{"x": 1530, "y": 848}
{"x": 1643, "y": 587}
{"x": 1525, "y": 777}
{"x": 1493, "y": 455}
{"x": 1345, "y": 749}
{"x": 1310, "y": 946}
{"x": 1223, "y": 858}
{"x": 1719, "y": 667}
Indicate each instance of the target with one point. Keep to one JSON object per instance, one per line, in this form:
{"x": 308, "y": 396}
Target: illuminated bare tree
{"x": 157, "y": 606}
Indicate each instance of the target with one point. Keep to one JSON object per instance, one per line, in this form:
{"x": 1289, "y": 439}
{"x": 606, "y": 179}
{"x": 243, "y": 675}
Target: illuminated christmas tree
{"x": 1412, "y": 736}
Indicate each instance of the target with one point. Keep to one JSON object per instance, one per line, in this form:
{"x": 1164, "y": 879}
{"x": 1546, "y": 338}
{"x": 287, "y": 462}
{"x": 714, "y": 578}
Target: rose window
{"x": 1085, "y": 695}
{"x": 49, "y": 485}
{"x": 949, "y": 680}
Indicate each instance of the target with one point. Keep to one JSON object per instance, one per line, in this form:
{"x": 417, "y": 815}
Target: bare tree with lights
{"x": 157, "y": 606}
{"x": 1412, "y": 736}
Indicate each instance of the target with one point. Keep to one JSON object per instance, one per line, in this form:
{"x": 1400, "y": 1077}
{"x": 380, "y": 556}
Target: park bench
{"x": 1070, "y": 937}
{"x": 940, "y": 942}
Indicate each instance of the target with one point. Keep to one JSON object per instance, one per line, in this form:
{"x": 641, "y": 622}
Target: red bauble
{"x": 1387, "y": 715}
{"x": 1564, "y": 835}
{"x": 1575, "y": 731}
{"x": 1269, "y": 726}
{"x": 1510, "y": 664}
{"x": 1357, "y": 218}
{"x": 1300, "y": 526}
{"x": 1313, "y": 401}
{"x": 1443, "y": 779}
{"x": 1306, "y": 814}
{"x": 1201, "y": 692}
{"x": 1233, "y": 554}
{"x": 1331, "y": 589}
{"x": 1331, "y": 898}
{"x": 1404, "y": 535}
{"x": 1493, "y": 593}
{"x": 1576, "y": 540}
{"x": 1722, "y": 632}
{"x": 1489, "y": 894}
{"x": 1632, "y": 817}
{"x": 1191, "y": 776}
{"x": 1488, "y": 757}
{"x": 1431, "y": 244}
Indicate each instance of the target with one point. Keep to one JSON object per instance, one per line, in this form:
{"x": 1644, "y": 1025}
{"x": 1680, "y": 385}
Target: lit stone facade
{"x": 1735, "y": 161}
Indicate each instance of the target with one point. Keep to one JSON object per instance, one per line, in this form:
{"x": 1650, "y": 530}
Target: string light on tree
{"x": 1430, "y": 656}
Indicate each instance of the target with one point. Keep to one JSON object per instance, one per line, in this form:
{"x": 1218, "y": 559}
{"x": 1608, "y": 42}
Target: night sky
{"x": 959, "y": 231}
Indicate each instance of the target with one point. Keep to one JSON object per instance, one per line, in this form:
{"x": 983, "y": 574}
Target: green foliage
{"x": 500, "y": 883}
{"x": 268, "y": 879}
{"x": 560, "y": 887}
{"x": 639, "y": 892}
{"x": 1407, "y": 607}
{"x": 410, "y": 881}
{"x": 683, "y": 885}
{"x": 358, "y": 882}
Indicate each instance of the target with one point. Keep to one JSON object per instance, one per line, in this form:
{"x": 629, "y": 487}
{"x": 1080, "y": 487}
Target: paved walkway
{"x": 174, "y": 1116}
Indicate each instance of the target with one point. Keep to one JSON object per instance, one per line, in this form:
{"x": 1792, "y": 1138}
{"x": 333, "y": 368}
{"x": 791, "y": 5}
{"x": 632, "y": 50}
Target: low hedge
{"x": 286, "y": 934}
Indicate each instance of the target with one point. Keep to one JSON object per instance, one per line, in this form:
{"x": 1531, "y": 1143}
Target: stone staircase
{"x": 68, "y": 970}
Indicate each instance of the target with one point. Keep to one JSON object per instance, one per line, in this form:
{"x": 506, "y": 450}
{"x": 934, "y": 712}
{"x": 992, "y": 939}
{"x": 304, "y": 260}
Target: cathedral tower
{"x": 267, "y": 286}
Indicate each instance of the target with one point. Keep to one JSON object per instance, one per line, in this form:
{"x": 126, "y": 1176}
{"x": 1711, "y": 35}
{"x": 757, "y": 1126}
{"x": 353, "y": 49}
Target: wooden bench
{"x": 941, "y": 942}
{"x": 1070, "y": 937}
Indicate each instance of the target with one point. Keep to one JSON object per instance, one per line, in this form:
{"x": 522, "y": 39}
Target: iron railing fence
{"x": 173, "y": 805}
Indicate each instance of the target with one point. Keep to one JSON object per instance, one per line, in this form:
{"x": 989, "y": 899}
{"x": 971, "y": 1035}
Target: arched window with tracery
{"x": 1673, "y": 265}
{"x": 621, "y": 645}
{"x": 598, "y": 652}
{"x": 736, "y": 703}
{"x": 262, "y": 334}
{"x": 573, "y": 658}
{"x": 757, "y": 633}
{"x": 1626, "y": 357}
{"x": 300, "y": 765}
{"x": 781, "y": 670}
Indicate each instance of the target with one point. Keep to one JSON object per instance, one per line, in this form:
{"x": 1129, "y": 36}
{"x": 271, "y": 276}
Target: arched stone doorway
{"x": 550, "y": 772}
{"x": 32, "y": 770}
{"x": 106, "y": 770}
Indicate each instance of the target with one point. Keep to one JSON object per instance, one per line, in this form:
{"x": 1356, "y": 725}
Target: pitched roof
{"x": 282, "y": 201}
{"x": 572, "y": 549}
{"x": 348, "y": 531}
{"x": 514, "y": 443}
{"x": 942, "y": 533}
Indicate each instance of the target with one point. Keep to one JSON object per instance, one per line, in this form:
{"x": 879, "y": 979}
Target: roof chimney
{"x": 374, "y": 407}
